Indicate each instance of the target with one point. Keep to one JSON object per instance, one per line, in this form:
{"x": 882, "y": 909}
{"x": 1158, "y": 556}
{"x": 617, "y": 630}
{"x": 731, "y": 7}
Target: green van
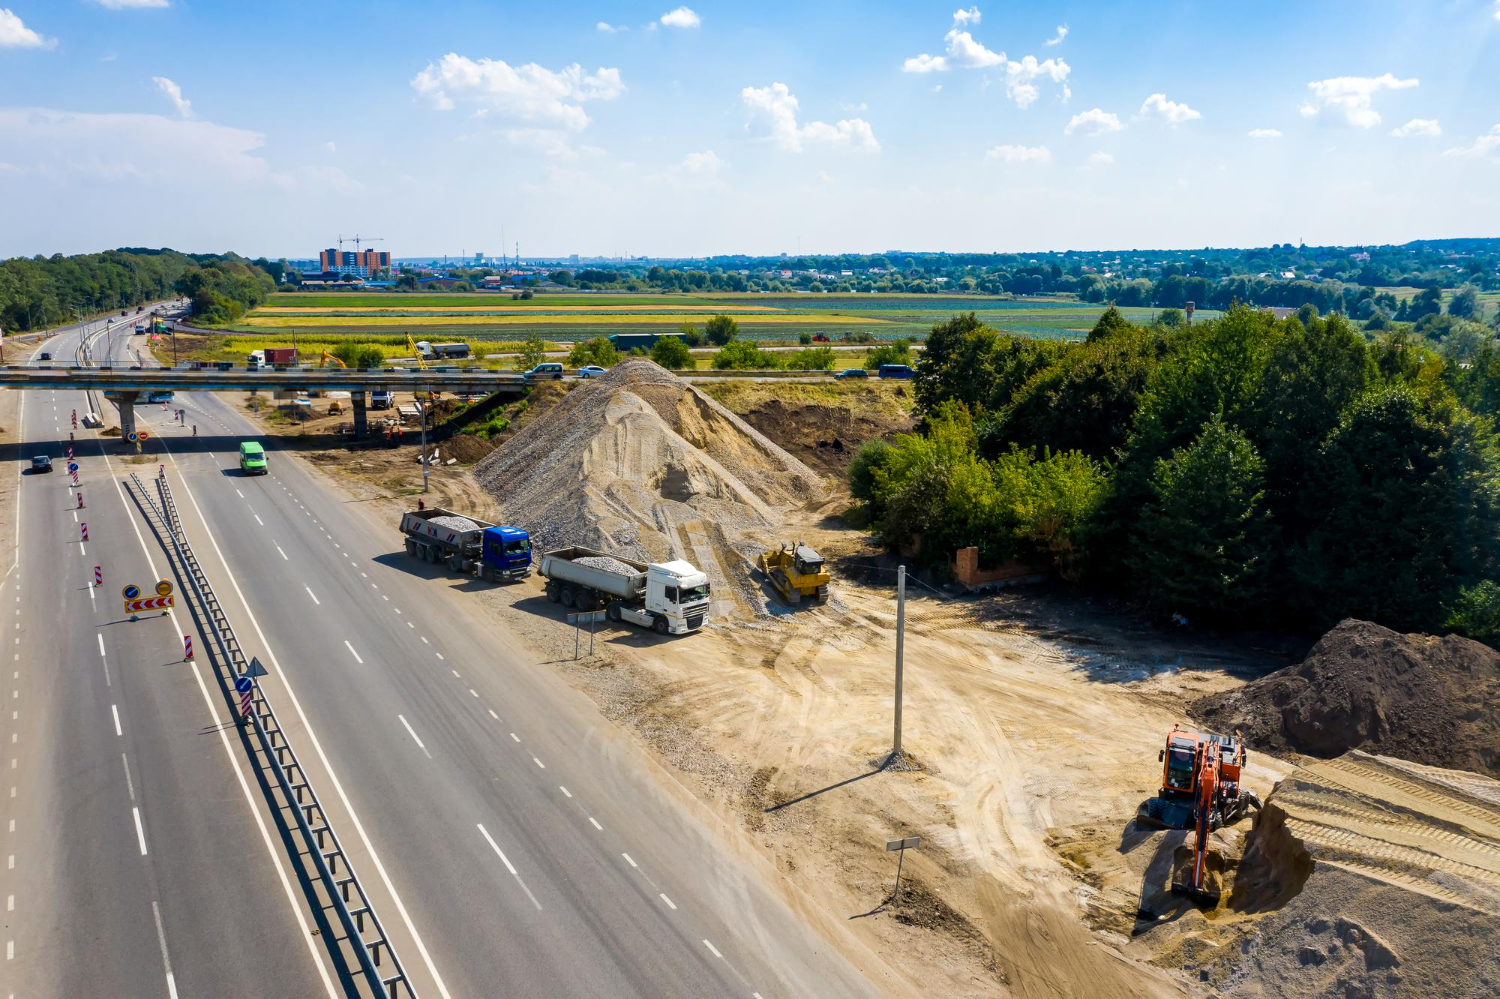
{"x": 252, "y": 458}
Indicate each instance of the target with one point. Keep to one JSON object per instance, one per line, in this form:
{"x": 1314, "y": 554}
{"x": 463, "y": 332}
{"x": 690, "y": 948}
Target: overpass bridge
{"x": 123, "y": 385}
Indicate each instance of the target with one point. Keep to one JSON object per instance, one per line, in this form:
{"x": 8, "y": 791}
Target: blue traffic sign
{"x": 131, "y": 592}
{"x": 72, "y": 466}
{"x": 244, "y": 684}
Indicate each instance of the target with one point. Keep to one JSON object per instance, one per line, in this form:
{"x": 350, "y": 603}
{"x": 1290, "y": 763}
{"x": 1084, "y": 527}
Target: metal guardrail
{"x": 211, "y": 378}
{"x": 322, "y": 843}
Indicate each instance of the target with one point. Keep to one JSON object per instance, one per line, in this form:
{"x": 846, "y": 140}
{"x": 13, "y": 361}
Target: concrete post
{"x": 361, "y": 420}
{"x": 125, "y": 403}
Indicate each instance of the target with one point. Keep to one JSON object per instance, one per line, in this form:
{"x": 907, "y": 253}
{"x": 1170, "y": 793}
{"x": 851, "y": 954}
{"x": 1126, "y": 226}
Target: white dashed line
{"x": 714, "y": 949}
{"x": 515, "y": 737}
{"x": 595, "y": 823}
{"x": 313, "y": 595}
{"x": 539, "y": 763}
{"x": 353, "y": 653}
{"x": 101, "y": 644}
{"x": 493, "y": 715}
{"x": 506, "y": 861}
{"x": 262, "y": 523}
{"x": 413, "y": 734}
{"x": 632, "y": 863}
{"x": 116, "y": 712}
{"x": 565, "y": 791}
{"x": 670, "y": 904}
{"x": 283, "y": 554}
{"x": 140, "y": 830}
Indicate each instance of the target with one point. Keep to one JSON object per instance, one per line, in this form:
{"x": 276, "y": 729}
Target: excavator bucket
{"x": 1164, "y": 813}
{"x": 1210, "y": 881}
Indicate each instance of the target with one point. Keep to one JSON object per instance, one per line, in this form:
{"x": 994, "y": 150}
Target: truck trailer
{"x": 468, "y": 546}
{"x": 668, "y": 597}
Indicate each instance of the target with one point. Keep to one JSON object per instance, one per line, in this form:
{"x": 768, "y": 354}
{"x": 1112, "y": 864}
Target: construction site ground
{"x": 1032, "y": 724}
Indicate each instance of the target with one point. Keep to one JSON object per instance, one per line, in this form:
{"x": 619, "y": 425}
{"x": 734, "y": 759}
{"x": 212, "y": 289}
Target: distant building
{"x": 361, "y": 263}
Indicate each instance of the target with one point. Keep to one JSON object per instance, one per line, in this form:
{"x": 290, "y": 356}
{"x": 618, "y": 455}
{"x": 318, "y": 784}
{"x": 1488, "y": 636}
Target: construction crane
{"x": 356, "y": 239}
{"x": 415, "y": 353}
{"x": 330, "y": 357}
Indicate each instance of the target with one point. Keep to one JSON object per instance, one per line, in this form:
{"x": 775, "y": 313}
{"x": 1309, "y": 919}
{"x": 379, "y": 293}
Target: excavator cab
{"x": 1180, "y": 756}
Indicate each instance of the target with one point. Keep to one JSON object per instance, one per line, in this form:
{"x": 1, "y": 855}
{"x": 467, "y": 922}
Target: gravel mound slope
{"x": 1416, "y": 697}
{"x": 638, "y": 462}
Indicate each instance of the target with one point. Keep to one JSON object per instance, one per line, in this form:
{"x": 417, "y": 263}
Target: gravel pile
{"x": 454, "y": 523}
{"x": 639, "y": 462}
{"x": 606, "y": 563}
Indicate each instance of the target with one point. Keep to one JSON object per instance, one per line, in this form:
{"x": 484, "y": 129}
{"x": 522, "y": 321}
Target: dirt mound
{"x": 1425, "y": 699}
{"x": 640, "y": 463}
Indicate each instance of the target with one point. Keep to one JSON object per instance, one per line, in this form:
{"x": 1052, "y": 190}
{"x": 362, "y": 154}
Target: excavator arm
{"x": 1194, "y": 881}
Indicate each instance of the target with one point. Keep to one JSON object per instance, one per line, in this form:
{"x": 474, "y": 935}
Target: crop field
{"x": 571, "y": 317}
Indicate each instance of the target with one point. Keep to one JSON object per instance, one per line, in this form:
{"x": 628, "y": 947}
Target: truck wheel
{"x": 554, "y": 592}
{"x": 411, "y": 547}
{"x": 587, "y": 601}
{"x": 613, "y": 612}
{"x": 568, "y": 597}
{"x": 661, "y": 627}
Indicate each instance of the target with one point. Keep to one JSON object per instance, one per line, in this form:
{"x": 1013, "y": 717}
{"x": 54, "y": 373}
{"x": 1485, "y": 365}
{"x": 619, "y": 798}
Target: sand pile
{"x": 640, "y": 463}
{"x": 1429, "y": 700}
{"x": 1364, "y": 876}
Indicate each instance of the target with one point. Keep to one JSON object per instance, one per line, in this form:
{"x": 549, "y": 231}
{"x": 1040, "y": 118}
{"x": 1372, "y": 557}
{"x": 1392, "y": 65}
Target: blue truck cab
{"x": 506, "y": 553}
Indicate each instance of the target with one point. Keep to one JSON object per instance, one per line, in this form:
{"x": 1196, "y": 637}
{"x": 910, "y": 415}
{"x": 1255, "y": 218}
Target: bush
{"x": 721, "y": 329}
{"x": 895, "y": 352}
{"x": 743, "y": 355}
{"x": 804, "y": 338}
{"x": 533, "y": 352}
{"x": 1476, "y": 612}
{"x": 690, "y": 335}
{"x": 811, "y": 359}
{"x": 670, "y": 352}
{"x": 872, "y": 455}
{"x": 596, "y": 351}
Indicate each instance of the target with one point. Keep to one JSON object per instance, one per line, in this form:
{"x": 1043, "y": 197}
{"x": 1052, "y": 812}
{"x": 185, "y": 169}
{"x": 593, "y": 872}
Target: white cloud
{"x": 1095, "y": 121}
{"x": 682, "y": 17}
{"x": 553, "y": 142}
{"x": 1350, "y": 98}
{"x": 528, "y": 93}
{"x": 1018, "y": 154}
{"x": 964, "y": 51}
{"x": 1418, "y": 127}
{"x": 610, "y": 29}
{"x": 772, "y": 114}
{"x": 130, "y": 4}
{"x": 969, "y": 16}
{"x": 1497, "y": 10}
{"x": 1264, "y": 133}
{"x": 331, "y": 147}
{"x": 173, "y": 93}
{"x": 1018, "y": 77}
{"x": 15, "y": 35}
{"x": 706, "y": 164}
{"x": 1157, "y": 106}
{"x": 1101, "y": 160}
{"x": 116, "y": 146}
{"x": 1486, "y": 144}
{"x": 1062, "y": 32}
{"x": 925, "y": 63}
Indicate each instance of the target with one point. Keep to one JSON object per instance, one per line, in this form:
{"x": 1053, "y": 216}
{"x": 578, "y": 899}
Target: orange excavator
{"x": 1201, "y": 791}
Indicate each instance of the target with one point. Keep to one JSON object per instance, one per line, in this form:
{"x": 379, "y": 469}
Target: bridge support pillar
{"x": 125, "y": 403}
{"x": 361, "y": 417}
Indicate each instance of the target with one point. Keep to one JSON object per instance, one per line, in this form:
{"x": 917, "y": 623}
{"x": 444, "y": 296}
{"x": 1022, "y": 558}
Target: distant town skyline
{"x": 685, "y": 131}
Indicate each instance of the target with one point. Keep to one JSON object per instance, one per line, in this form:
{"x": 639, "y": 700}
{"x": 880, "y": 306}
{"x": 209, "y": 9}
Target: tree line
{"x": 1243, "y": 471}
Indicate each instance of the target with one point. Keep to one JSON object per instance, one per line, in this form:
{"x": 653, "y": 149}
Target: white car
{"x": 591, "y": 371}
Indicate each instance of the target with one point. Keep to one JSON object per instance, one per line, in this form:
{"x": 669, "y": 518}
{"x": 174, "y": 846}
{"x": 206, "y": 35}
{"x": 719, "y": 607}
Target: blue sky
{"x": 632, "y": 128}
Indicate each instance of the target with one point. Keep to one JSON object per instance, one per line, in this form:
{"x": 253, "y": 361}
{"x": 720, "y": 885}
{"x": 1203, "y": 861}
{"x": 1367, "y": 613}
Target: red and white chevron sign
{"x": 148, "y": 603}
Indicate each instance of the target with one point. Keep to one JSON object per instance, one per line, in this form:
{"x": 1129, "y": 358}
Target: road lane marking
{"x": 262, "y": 523}
{"x": 101, "y": 644}
{"x": 595, "y": 822}
{"x": 539, "y": 763}
{"x": 413, "y": 734}
{"x": 140, "y": 830}
{"x": 353, "y": 653}
{"x": 166, "y": 961}
{"x": 278, "y": 548}
{"x": 116, "y": 712}
{"x": 632, "y": 863}
{"x": 670, "y": 904}
{"x": 313, "y": 595}
{"x": 714, "y": 949}
{"x": 438, "y": 654}
{"x": 515, "y": 737}
{"x": 473, "y": 691}
{"x": 508, "y": 866}
{"x": 493, "y": 715}
{"x": 129, "y": 784}
{"x": 239, "y": 494}
{"x": 425, "y": 641}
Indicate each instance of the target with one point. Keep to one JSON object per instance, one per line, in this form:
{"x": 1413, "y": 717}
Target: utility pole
{"x": 422, "y": 420}
{"x": 900, "y": 649}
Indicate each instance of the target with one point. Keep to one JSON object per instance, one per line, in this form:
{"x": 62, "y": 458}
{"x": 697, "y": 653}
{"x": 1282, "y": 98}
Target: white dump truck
{"x": 668, "y": 597}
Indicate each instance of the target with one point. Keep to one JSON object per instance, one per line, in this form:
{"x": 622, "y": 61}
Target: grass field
{"x": 568, "y": 318}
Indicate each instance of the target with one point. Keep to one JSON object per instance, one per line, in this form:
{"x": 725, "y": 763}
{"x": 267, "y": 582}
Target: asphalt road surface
{"x": 512, "y": 842}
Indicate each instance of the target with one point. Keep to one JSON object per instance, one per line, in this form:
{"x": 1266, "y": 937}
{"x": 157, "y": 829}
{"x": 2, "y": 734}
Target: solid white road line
{"x": 353, "y": 653}
{"x": 508, "y": 866}
{"x": 413, "y": 734}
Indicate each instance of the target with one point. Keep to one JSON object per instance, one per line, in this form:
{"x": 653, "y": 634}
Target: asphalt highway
{"x": 513, "y": 843}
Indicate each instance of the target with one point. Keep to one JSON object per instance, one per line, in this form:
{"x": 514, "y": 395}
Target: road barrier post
{"x": 80, "y": 499}
{"x": 98, "y": 575}
{"x": 187, "y": 648}
{"x": 84, "y": 526}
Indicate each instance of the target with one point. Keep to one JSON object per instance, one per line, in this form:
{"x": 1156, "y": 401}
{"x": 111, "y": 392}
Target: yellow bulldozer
{"x": 797, "y": 572}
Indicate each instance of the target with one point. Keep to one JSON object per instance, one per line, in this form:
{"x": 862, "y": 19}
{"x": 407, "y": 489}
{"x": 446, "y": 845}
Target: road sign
{"x": 164, "y": 588}
{"x": 585, "y": 617}
{"x": 256, "y": 669}
{"x": 244, "y": 684}
{"x": 909, "y": 843}
{"x": 131, "y": 591}
{"x": 72, "y": 466}
{"x": 133, "y": 436}
{"x": 142, "y": 435}
{"x": 147, "y": 603}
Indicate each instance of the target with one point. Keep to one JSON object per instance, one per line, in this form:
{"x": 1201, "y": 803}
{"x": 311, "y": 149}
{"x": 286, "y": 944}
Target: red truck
{"x": 281, "y": 355}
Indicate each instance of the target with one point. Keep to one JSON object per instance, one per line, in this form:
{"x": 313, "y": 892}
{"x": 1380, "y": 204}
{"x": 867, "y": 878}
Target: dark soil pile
{"x": 1419, "y": 698}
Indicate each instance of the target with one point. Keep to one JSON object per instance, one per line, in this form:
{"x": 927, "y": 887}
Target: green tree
{"x": 690, "y": 335}
{"x": 872, "y": 454}
{"x": 721, "y": 329}
{"x": 671, "y": 352}
{"x": 1465, "y": 304}
{"x": 533, "y": 352}
{"x": 1109, "y": 323}
{"x": 1407, "y": 514}
{"x": 743, "y": 355}
{"x": 1171, "y": 318}
{"x": 1205, "y": 540}
{"x": 811, "y": 359}
{"x": 1476, "y": 612}
{"x": 594, "y": 351}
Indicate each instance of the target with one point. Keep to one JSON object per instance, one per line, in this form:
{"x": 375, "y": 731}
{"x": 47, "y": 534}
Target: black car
{"x": 41, "y": 463}
{"x": 44, "y": 356}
